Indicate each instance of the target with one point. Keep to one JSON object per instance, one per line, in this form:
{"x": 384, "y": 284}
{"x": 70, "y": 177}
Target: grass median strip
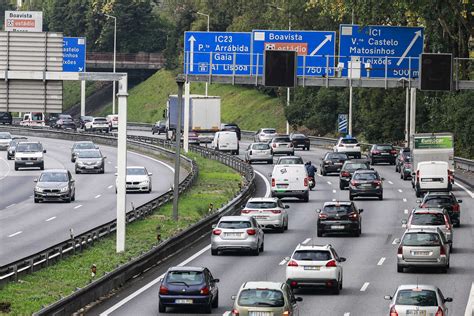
{"x": 216, "y": 184}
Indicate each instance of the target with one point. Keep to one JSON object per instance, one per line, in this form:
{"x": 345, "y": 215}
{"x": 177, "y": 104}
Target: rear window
{"x": 312, "y": 255}
{"x": 355, "y": 166}
{"x": 281, "y": 140}
{"x": 261, "y": 298}
{"x": 260, "y": 146}
{"x": 336, "y": 156}
{"x": 334, "y": 209}
{"x": 291, "y": 161}
{"x": 417, "y": 297}
{"x": 185, "y": 277}
{"x": 421, "y": 239}
{"x": 269, "y": 131}
{"x": 299, "y": 136}
{"x": 100, "y": 120}
{"x": 365, "y": 176}
{"x": 428, "y": 219}
{"x": 438, "y": 201}
{"x": 261, "y": 205}
{"x": 384, "y": 147}
{"x": 235, "y": 224}
{"x": 349, "y": 141}
{"x": 5, "y": 136}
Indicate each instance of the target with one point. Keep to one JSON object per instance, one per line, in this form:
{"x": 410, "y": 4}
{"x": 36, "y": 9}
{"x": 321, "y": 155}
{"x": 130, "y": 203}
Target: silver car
{"x": 282, "y": 145}
{"x": 5, "y": 139}
{"x": 424, "y": 248}
{"x": 90, "y": 161}
{"x": 259, "y": 152}
{"x": 241, "y": 233}
{"x": 418, "y": 299}
{"x": 83, "y": 145}
{"x": 55, "y": 185}
{"x": 431, "y": 217}
{"x": 269, "y": 212}
{"x": 265, "y": 134}
{"x": 290, "y": 160}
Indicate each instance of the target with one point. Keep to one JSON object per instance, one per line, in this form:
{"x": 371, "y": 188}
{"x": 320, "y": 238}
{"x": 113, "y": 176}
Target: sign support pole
{"x": 287, "y": 104}
{"x": 186, "y": 116}
{"x": 177, "y": 151}
{"x": 350, "y": 109}
{"x": 412, "y": 115}
{"x": 83, "y": 97}
{"x": 407, "y": 118}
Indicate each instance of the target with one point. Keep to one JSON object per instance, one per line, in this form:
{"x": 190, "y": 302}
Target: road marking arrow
{"x": 417, "y": 34}
{"x": 191, "y": 40}
{"x": 327, "y": 39}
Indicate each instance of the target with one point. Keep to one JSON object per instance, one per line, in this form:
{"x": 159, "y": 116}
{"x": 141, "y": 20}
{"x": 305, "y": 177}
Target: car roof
{"x": 337, "y": 203}
{"x": 429, "y": 210}
{"x": 99, "y": 117}
{"x": 54, "y": 170}
{"x": 383, "y": 145}
{"x": 357, "y": 161}
{"x": 259, "y": 143}
{"x": 263, "y": 199}
{"x": 438, "y": 194}
{"x": 262, "y": 285}
{"x": 420, "y": 286}
{"x": 84, "y": 142}
{"x": 422, "y": 230}
{"x": 313, "y": 247}
{"x": 365, "y": 171}
{"x": 134, "y": 167}
{"x": 186, "y": 269}
{"x": 235, "y": 218}
{"x": 31, "y": 142}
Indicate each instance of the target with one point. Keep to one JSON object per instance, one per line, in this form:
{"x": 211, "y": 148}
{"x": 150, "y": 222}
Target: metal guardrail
{"x": 44, "y": 258}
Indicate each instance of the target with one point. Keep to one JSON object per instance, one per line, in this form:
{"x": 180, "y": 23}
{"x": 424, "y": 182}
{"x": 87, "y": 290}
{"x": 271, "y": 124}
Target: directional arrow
{"x": 327, "y": 39}
{"x": 191, "y": 53}
{"x": 417, "y": 34}
{"x": 80, "y": 69}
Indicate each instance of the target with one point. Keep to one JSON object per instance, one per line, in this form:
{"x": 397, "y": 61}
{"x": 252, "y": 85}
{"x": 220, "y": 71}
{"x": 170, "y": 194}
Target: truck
{"x": 433, "y": 162}
{"x": 204, "y": 116}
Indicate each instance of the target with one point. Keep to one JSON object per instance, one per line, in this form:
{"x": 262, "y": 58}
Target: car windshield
{"x": 28, "y": 147}
{"x": 5, "y": 136}
{"x": 260, "y": 146}
{"x": 366, "y": 176}
{"x": 421, "y": 239}
{"x": 281, "y": 140}
{"x": 36, "y": 116}
{"x": 53, "y": 177}
{"x": 335, "y": 209}
{"x": 336, "y": 156}
{"x": 416, "y": 297}
{"x": 84, "y": 146}
{"x": 261, "y": 205}
{"x": 299, "y": 136}
{"x": 188, "y": 277}
{"x": 291, "y": 161}
{"x": 438, "y": 201}
{"x": 383, "y": 147}
{"x": 312, "y": 255}
{"x": 89, "y": 154}
{"x": 355, "y": 166}
{"x": 261, "y": 297}
{"x": 235, "y": 224}
{"x": 87, "y": 118}
{"x": 427, "y": 219}
{"x": 269, "y": 131}
{"x": 136, "y": 171}
{"x": 349, "y": 141}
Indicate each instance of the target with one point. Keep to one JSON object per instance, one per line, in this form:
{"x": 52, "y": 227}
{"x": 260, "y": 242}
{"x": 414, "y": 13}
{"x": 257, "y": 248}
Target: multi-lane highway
{"x": 369, "y": 272}
{"x": 28, "y": 227}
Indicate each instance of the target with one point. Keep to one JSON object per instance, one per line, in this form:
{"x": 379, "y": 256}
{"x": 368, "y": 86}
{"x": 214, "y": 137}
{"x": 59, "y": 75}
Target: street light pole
{"x": 115, "y": 58}
{"x": 208, "y": 17}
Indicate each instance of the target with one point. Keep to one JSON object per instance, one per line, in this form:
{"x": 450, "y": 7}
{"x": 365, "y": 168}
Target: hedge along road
{"x": 28, "y": 227}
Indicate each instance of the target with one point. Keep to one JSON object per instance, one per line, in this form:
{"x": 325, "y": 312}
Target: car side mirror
{"x": 361, "y": 210}
{"x": 388, "y": 297}
{"x": 216, "y": 280}
{"x": 397, "y": 241}
{"x": 233, "y": 297}
{"x": 287, "y": 258}
{"x": 299, "y": 299}
{"x": 116, "y": 174}
{"x": 150, "y": 174}
{"x": 35, "y": 180}
{"x": 459, "y": 201}
{"x": 342, "y": 259}
{"x": 448, "y": 299}
{"x": 44, "y": 151}
{"x": 214, "y": 226}
{"x": 287, "y": 206}
{"x": 418, "y": 201}
{"x": 105, "y": 157}
{"x": 318, "y": 210}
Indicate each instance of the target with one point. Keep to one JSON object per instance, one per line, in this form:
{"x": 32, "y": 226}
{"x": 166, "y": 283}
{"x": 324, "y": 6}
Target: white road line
{"x": 267, "y": 183}
{"x": 404, "y": 200}
{"x": 334, "y": 200}
{"x": 400, "y": 190}
{"x": 470, "y": 302}
{"x": 149, "y": 285}
{"x": 334, "y": 191}
{"x": 319, "y": 175}
{"x": 364, "y": 287}
{"x": 76, "y": 207}
{"x": 394, "y": 242}
{"x": 381, "y": 261}
{"x": 156, "y": 160}
{"x": 465, "y": 189}
{"x": 347, "y": 314}
{"x": 14, "y": 234}
{"x": 390, "y": 182}
{"x": 97, "y": 196}
{"x": 329, "y": 182}
{"x": 110, "y": 187}
{"x": 50, "y": 219}
{"x": 282, "y": 262}
{"x": 307, "y": 240}
{"x": 405, "y": 211}
{"x": 109, "y": 162}
{"x": 8, "y": 170}
{"x": 11, "y": 205}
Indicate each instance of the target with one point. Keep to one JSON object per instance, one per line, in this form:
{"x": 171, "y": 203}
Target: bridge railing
{"x": 138, "y": 58}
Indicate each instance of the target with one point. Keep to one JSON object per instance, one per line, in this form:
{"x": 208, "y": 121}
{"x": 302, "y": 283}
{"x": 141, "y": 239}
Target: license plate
{"x": 416, "y": 312}
{"x": 337, "y": 227}
{"x": 338, "y": 163}
{"x": 384, "y": 154}
{"x": 311, "y": 268}
{"x": 181, "y": 301}
{"x": 421, "y": 253}
{"x": 261, "y": 217}
{"x": 366, "y": 185}
{"x": 52, "y": 194}
{"x": 29, "y": 163}
{"x": 260, "y": 313}
{"x": 89, "y": 167}
{"x": 282, "y": 185}
{"x": 233, "y": 234}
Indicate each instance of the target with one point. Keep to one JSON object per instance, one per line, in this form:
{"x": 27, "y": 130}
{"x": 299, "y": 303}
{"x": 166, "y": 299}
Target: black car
{"x": 232, "y": 127}
{"x": 6, "y": 118}
{"x": 403, "y": 155}
{"x": 192, "y": 287}
{"x": 366, "y": 183}
{"x": 65, "y": 122}
{"x": 382, "y": 153}
{"x": 332, "y": 162}
{"x": 81, "y": 122}
{"x": 12, "y": 147}
{"x": 445, "y": 200}
{"x": 339, "y": 217}
{"x": 406, "y": 170}
{"x": 51, "y": 119}
{"x": 300, "y": 141}
{"x": 348, "y": 169}
{"x": 158, "y": 128}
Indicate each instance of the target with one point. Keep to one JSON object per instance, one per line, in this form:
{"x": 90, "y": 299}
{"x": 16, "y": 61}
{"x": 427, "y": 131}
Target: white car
{"x": 270, "y": 213}
{"x": 290, "y": 181}
{"x": 418, "y": 299}
{"x": 97, "y": 124}
{"x": 259, "y": 152}
{"x": 226, "y": 142}
{"x": 112, "y": 120}
{"x": 138, "y": 179}
{"x": 265, "y": 134}
{"x": 348, "y": 145}
{"x": 29, "y": 155}
{"x": 5, "y": 139}
{"x": 315, "y": 266}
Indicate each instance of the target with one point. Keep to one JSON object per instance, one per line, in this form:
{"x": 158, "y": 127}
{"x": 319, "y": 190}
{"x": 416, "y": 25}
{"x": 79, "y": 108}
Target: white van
{"x": 290, "y": 181}
{"x": 33, "y": 119}
{"x": 432, "y": 176}
{"x": 226, "y": 141}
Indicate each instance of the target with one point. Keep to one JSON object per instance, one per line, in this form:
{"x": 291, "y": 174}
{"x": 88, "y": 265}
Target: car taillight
{"x": 286, "y": 313}
{"x": 456, "y": 208}
{"x": 446, "y": 221}
{"x": 375, "y": 152}
{"x": 341, "y": 145}
{"x": 345, "y": 174}
{"x": 273, "y": 182}
{"x": 245, "y": 211}
{"x": 331, "y": 264}
{"x": 251, "y": 231}
{"x": 353, "y": 216}
{"x": 393, "y": 311}
{"x": 204, "y": 291}
{"x": 439, "y": 312}
{"x": 163, "y": 290}
{"x": 217, "y": 232}
{"x": 276, "y": 211}
{"x": 306, "y": 182}
{"x": 357, "y": 145}
{"x": 323, "y": 216}
{"x": 442, "y": 251}
{"x": 292, "y": 263}
{"x": 393, "y": 152}
{"x": 274, "y": 145}
{"x": 293, "y": 283}
{"x": 377, "y": 182}
{"x": 235, "y": 312}
{"x": 400, "y": 250}
{"x": 353, "y": 183}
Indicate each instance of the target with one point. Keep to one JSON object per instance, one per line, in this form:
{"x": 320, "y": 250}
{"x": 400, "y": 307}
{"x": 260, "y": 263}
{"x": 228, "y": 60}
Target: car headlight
{"x": 39, "y": 158}
{"x": 17, "y": 158}
{"x": 80, "y": 163}
{"x": 64, "y": 189}
{"x": 146, "y": 182}
{"x": 10, "y": 151}
{"x": 37, "y": 189}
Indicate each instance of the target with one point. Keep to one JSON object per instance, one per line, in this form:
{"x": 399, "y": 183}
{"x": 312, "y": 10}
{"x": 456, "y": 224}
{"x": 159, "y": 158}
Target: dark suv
{"x": 339, "y": 217}
{"x": 366, "y": 183}
{"x": 192, "y": 287}
{"x": 332, "y": 162}
{"x": 348, "y": 169}
{"x": 403, "y": 155}
{"x": 6, "y": 118}
{"x": 382, "y": 153}
{"x": 232, "y": 127}
{"x": 445, "y": 200}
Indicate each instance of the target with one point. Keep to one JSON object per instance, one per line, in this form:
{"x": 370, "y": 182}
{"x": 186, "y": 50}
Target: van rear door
{"x": 433, "y": 175}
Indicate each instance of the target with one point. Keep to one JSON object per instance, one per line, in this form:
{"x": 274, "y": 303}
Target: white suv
{"x": 269, "y": 213}
{"x": 315, "y": 266}
{"x": 348, "y": 145}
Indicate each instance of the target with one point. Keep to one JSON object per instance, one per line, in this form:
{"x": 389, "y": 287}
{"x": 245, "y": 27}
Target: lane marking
{"x": 334, "y": 191}
{"x": 465, "y": 189}
{"x": 76, "y": 207}
{"x": 394, "y": 242}
{"x": 319, "y": 175}
{"x": 405, "y": 211}
{"x": 14, "y": 234}
{"x": 329, "y": 182}
{"x": 109, "y": 162}
{"x": 307, "y": 240}
{"x": 97, "y": 196}
{"x": 400, "y": 190}
{"x": 404, "y": 200}
{"x": 152, "y": 283}
{"x": 267, "y": 183}
{"x": 390, "y": 182}
{"x": 381, "y": 261}
{"x": 282, "y": 262}
{"x": 470, "y": 302}
{"x": 347, "y": 314}
{"x": 10, "y": 205}
{"x": 8, "y": 169}
{"x": 110, "y": 187}
{"x": 156, "y": 160}
{"x": 50, "y": 219}
{"x": 334, "y": 200}
{"x": 364, "y": 287}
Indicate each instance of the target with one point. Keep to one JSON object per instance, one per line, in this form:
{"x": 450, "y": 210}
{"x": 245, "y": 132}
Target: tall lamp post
{"x": 115, "y": 58}
{"x": 206, "y": 15}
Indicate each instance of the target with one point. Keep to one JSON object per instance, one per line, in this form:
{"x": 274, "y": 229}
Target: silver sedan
{"x": 259, "y": 152}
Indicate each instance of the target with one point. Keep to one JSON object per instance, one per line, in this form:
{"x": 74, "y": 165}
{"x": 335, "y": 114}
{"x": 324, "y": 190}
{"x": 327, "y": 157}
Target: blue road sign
{"x": 342, "y": 123}
{"x": 316, "y": 49}
{"x": 218, "y": 53}
{"x": 74, "y": 54}
{"x": 369, "y": 48}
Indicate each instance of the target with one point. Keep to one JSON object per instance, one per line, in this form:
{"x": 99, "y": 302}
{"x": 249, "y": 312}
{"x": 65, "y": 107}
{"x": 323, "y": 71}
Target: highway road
{"x": 369, "y": 272}
{"x": 27, "y": 228}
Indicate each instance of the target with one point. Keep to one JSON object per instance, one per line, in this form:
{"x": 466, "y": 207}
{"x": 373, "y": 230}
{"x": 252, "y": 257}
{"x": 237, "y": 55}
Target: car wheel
{"x": 102, "y": 170}
{"x": 270, "y": 162}
{"x": 351, "y": 197}
{"x": 42, "y": 166}
{"x": 73, "y": 197}
{"x": 36, "y": 200}
{"x": 16, "y": 168}
{"x": 341, "y": 187}
{"x": 8, "y": 158}
{"x": 323, "y": 172}
{"x": 161, "y": 308}
{"x": 214, "y": 252}
{"x": 306, "y": 197}
{"x": 256, "y": 251}
{"x": 336, "y": 289}
{"x": 77, "y": 171}
{"x": 262, "y": 247}
{"x": 444, "y": 270}
{"x": 319, "y": 233}
{"x": 358, "y": 232}
{"x": 286, "y": 225}
{"x": 281, "y": 230}
{"x": 340, "y": 284}
{"x": 215, "y": 302}
{"x": 381, "y": 197}
{"x": 208, "y": 308}
{"x": 457, "y": 224}
{"x": 399, "y": 269}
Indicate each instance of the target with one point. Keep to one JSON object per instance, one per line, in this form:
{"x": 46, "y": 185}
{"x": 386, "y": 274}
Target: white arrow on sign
{"x": 80, "y": 68}
{"x": 191, "y": 53}
{"x": 327, "y": 39}
{"x": 417, "y": 34}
